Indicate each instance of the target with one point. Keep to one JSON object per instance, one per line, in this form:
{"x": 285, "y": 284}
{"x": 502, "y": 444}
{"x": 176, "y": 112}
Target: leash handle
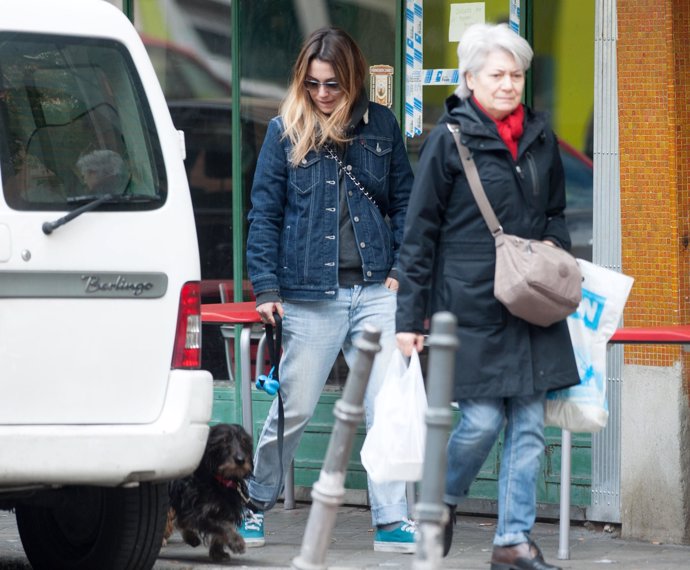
{"x": 274, "y": 343}
{"x": 271, "y": 383}
{"x": 274, "y": 349}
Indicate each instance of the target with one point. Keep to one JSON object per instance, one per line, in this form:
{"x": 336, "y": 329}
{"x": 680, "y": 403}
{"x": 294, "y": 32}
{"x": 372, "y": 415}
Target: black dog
{"x": 208, "y": 504}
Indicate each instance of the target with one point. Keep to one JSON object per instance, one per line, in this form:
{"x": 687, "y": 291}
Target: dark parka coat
{"x": 448, "y": 254}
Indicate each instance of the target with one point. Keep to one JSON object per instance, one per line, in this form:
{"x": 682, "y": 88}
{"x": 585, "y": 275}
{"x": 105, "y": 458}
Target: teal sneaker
{"x": 398, "y": 539}
{"x": 252, "y": 528}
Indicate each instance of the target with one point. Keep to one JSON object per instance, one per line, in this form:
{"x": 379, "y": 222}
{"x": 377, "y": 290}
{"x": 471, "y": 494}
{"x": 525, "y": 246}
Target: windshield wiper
{"x": 113, "y": 198}
{"x": 90, "y": 202}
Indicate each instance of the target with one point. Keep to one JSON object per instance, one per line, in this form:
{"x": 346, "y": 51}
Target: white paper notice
{"x": 462, "y": 16}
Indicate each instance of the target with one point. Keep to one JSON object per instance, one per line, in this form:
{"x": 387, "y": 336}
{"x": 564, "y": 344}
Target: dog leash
{"x": 271, "y": 385}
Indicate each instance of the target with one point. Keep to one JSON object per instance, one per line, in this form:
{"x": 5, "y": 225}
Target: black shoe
{"x": 523, "y": 556}
{"x": 448, "y": 530}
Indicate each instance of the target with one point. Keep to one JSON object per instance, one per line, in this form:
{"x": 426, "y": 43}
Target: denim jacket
{"x": 292, "y": 245}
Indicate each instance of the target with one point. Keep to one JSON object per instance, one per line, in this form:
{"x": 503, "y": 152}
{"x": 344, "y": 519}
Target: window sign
{"x": 462, "y": 16}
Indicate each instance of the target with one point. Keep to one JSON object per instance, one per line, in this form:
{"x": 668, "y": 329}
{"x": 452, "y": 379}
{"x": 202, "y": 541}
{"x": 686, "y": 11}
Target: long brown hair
{"x": 306, "y": 126}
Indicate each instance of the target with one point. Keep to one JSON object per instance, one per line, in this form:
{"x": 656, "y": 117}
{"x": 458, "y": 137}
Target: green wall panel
{"x": 314, "y": 444}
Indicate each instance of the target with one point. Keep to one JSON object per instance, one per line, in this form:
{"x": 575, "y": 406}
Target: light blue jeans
{"x": 469, "y": 444}
{"x": 314, "y": 333}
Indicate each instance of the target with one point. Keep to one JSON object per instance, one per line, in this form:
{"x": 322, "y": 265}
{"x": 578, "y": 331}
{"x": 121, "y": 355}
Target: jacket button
{"x": 362, "y": 244}
{"x": 349, "y": 167}
{"x": 368, "y": 273}
{"x": 349, "y": 192}
{"x": 356, "y": 218}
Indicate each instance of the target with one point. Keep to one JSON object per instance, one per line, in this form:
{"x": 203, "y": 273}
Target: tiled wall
{"x": 654, "y": 116}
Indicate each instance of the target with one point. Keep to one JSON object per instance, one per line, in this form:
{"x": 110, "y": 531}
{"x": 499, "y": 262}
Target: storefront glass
{"x": 189, "y": 45}
{"x": 563, "y": 85}
{"x": 561, "y": 82}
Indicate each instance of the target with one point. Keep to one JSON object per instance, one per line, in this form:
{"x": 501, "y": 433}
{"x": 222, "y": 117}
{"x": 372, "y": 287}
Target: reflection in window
{"x": 182, "y": 73}
{"x": 73, "y": 122}
{"x": 189, "y": 43}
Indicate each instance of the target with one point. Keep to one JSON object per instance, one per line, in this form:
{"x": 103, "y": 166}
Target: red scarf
{"x": 510, "y": 128}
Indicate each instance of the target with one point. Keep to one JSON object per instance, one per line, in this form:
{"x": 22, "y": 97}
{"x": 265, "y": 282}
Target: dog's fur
{"x": 207, "y": 505}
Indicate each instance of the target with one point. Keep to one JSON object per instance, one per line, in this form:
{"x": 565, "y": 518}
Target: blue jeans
{"x": 469, "y": 445}
{"x": 314, "y": 332}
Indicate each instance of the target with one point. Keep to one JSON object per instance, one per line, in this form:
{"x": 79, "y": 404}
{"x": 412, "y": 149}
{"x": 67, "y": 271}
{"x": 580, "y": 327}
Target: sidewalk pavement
{"x": 591, "y": 547}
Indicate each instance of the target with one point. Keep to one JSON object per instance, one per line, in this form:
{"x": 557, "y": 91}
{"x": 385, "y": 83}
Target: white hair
{"x": 478, "y": 41}
{"x": 103, "y": 162}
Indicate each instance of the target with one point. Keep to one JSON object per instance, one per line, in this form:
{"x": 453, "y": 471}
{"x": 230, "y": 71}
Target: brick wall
{"x": 654, "y": 115}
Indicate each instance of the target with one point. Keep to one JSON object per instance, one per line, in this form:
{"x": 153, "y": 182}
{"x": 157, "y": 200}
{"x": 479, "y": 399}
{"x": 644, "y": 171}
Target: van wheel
{"x": 95, "y": 527}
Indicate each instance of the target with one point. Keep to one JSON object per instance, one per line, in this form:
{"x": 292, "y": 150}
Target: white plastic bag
{"x": 393, "y": 449}
{"x": 583, "y": 408}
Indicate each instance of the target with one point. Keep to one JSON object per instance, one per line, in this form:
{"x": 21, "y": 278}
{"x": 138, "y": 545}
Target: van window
{"x": 75, "y": 123}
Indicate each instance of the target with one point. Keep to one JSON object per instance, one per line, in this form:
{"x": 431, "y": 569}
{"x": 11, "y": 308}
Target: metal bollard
{"x": 328, "y": 492}
{"x": 564, "y": 527}
{"x": 431, "y": 513}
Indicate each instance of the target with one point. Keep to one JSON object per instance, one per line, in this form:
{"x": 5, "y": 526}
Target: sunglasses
{"x": 313, "y": 86}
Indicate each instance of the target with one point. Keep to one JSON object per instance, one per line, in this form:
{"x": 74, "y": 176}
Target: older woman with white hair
{"x": 505, "y": 365}
{"x": 103, "y": 171}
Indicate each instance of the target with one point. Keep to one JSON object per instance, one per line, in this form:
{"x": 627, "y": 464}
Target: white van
{"x": 101, "y": 397}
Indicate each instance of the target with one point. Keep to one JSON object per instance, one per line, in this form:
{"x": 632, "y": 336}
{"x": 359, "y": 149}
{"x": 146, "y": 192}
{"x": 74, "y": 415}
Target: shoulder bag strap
{"x": 475, "y": 183}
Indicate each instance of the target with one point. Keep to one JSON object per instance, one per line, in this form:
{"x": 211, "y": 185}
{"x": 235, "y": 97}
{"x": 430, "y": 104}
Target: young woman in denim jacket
{"x": 322, "y": 253}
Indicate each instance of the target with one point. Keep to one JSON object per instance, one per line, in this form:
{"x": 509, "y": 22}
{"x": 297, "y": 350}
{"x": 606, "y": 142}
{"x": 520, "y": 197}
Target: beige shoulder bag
{"x": 537, "y": 282}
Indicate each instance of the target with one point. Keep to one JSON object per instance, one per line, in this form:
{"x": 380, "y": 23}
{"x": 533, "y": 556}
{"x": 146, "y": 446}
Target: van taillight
{"x": 187, "y": 351}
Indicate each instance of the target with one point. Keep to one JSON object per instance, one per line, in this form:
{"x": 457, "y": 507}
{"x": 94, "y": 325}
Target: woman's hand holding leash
{"x": 266, "y": 311}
